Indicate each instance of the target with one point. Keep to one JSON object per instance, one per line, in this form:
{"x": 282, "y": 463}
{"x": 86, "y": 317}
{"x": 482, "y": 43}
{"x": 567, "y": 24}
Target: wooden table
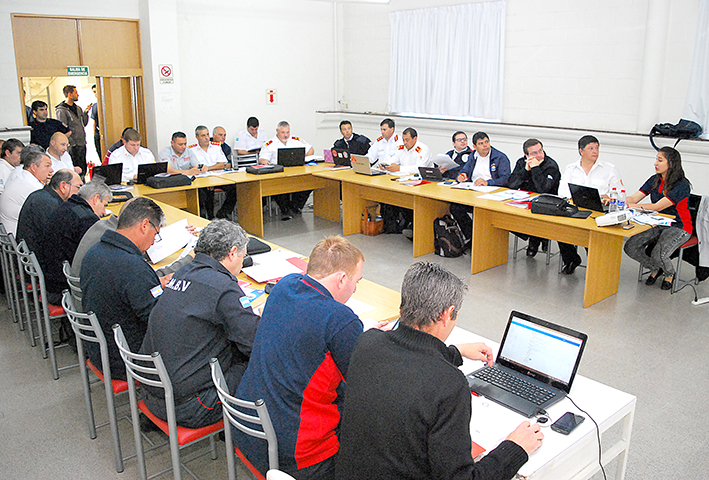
{"x": 492, "y": 222}
{"x": 385, "y": 300}
{"x": 185, "y": 197}
{"x": 251, "y": 189}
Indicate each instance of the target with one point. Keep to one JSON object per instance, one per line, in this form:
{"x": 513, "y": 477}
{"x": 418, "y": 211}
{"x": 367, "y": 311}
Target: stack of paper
{"x": 274, "y": 265}
{"x": 173, "y": 237}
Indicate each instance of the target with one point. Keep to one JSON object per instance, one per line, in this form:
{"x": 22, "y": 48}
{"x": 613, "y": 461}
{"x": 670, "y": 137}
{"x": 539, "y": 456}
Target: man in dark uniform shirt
{"x": 203, "y": 314}
{"x": 354, "y": 143}
{"x": 539, "y": 173}
{"x": 44, "y": 127}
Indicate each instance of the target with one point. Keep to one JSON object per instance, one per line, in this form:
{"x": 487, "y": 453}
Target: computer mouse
{"x": 542, "y": 420}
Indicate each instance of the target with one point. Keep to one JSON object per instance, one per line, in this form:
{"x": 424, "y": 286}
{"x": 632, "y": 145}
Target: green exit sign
{"x": 77, "y": 71}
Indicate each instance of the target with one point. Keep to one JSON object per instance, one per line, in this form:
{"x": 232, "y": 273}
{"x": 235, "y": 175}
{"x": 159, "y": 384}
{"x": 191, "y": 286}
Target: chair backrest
{"x": 235, "y": 416}
{"x": 87, "y": 327}
{"x": 74, "y": 286}
{"x": 36, "y": 277}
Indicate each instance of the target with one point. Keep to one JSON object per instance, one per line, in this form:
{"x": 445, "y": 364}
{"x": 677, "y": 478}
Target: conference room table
{"x": 250, "y": 191}
{"x": 492, "y": 222}
{"x": 385, "y": 302}
{"x": 560, "y": 457}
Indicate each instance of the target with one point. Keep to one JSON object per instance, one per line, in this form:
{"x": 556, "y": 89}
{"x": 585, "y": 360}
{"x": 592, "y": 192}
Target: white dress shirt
{"x": 181, "y": 162}
{"x": 410, "y": 160}
{"x": 211, "y": 157}
{"x": 270, "y": 149}
{"x": 61, "y": 163}
{"x": 482, "y": 167}
{"x": 130, "y": 162}
{"x": 16, "y": 192}
{"x": 5, "y": 170}
{"x": 603, "y": 176}
{"x": 383, "y": 150}
{"x": 245, "y": 141}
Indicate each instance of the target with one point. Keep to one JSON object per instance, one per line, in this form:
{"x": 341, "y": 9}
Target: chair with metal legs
{"x": 150, "y": 370}
{"x": 516, "y": 249}
{"x": 86, "y": 328}
{"x": 74, "y": 286}
{"x": 234, "y": 416}
{"x": 45, "y": 312}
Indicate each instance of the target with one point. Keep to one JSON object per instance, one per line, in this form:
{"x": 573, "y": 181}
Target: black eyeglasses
{"x": 158, "y": 238}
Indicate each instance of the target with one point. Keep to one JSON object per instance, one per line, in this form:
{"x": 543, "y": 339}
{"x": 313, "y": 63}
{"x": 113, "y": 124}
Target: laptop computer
{"x": 540, "y": 357}
{"x": 360, "y": 164}
{"x": 341, "y": 157}
{"x": 431, "y": 174}
{"x": 111, "y": 174}
{"x": 291, "y": 157}
{"x": 147, "y": 170}
{"x": 587, "y": 197}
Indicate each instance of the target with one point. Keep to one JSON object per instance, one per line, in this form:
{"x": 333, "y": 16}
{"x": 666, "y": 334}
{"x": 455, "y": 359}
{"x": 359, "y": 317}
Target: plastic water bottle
{"x": 621, "y": 201}
{"x": 613, "y": 207}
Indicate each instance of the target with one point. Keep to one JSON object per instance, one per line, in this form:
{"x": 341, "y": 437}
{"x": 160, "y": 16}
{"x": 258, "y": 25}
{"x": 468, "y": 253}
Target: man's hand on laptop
{"x": 528, "y": 436}
{"x": 476, "y": 351}
{"x": 605, "y": 199}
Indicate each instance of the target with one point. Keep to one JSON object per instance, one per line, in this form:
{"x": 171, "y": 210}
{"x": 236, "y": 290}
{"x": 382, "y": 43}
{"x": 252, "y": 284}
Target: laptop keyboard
{"x": 515, "y": 385}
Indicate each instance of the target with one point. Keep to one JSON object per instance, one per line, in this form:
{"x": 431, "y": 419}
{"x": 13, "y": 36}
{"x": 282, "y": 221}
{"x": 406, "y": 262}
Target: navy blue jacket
{"x": 34, "y": 215}
{"x": 119, "y": 287}
{"x": 499, "y": 167}
{"x": 458, "y": 158}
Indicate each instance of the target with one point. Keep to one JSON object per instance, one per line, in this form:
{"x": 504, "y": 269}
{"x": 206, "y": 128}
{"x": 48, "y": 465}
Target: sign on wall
{"x": 78, "y": 71}
{"x": 271, "y": 97}
{"x": 165, "y": 73}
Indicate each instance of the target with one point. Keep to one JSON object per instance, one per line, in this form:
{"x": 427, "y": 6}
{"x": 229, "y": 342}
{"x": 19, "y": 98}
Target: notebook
{"x": 291, "y": 157}
{"x": 540, "y": 357}
{"x": 587, "y": 197}
{"x": 111, "y": 174}
{"x": 147, "y": 170}
{"x": 360, "y": 164}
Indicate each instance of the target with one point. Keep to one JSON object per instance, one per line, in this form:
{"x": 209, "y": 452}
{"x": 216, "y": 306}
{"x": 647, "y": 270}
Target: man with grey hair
{"x": 40, "y": 206}
{"x": 118, "y": 285}
{"x": 422, "y": 425}
{"x": 35, "y": 173}
{"x": 65, "y": 229}
{"x": 289, "y": 203}
{"x": 202, "y": 314}
{"x": 210, "y": 154}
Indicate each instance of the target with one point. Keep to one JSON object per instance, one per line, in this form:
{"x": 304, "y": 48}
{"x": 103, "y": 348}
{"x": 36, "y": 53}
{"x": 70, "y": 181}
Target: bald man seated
{"x": 57, "y": 151}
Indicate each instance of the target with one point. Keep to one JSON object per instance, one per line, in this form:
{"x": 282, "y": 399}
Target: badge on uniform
{"x": 493, "y": 167}
{"x": 245, "y": 302}
{"x": 156, "y": 291}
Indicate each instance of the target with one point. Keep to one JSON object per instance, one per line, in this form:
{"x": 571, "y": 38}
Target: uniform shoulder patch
{"x": 401, "y": 147}
{"x": 418, "y": 149}
{"x": 268, "y": 143}
{"x": 296, "y": 138}
{"x": 192, "y": 146}
{"x": 380, "y": 139}
{"x": 396, "y": 138}
{"x": 213, "y": 142}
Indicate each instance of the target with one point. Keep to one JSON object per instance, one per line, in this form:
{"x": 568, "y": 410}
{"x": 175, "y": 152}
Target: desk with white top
{"x": 561, "y": 457}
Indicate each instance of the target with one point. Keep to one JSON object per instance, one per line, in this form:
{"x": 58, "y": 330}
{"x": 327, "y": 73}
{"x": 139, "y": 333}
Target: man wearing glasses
{"x": 118, "y": 285}
{"x": 460, "y": 154}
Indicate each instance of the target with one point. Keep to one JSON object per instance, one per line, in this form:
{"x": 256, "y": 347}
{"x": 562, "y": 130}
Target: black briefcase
{"x": 264, "y": 169}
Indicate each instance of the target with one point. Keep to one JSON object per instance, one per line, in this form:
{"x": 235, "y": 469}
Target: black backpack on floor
{"x": 448, "y": 238}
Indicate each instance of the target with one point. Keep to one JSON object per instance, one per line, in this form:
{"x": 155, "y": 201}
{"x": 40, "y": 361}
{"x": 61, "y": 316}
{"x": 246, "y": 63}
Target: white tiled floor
{"x": 642, "y": 340}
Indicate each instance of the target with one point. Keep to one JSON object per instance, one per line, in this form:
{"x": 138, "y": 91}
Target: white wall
{"x": 568, "y": 63}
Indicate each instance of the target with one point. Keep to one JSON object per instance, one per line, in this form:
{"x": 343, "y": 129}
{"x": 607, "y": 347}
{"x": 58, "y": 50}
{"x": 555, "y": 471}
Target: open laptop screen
{"x": 542, "y": 347}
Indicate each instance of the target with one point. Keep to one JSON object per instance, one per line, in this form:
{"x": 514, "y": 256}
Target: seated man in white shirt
{"x": 131, "y": 155}
{"x": 289, "y": 203}
{"x": 589, "y": 172}
{"x": 179, "y": 158}
{"x": 411, "y": 155}
{"x": 36, "y": 172}
{"x": 57, "y": 151}
{"x": 9, "y": 159}
{"x": 210, "y": 154}
{"x": 252, "y": 139}
{"x": 385, "y": 147}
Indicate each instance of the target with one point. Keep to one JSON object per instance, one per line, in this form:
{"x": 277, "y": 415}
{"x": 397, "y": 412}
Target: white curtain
{"x": 448, "y": 61}
{"x": 696, "y": 105}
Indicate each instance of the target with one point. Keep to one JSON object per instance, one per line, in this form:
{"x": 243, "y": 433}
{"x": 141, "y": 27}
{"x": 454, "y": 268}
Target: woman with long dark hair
{"x": 669, "y": 194}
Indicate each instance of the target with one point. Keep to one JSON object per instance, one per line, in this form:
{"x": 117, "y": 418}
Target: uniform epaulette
{"x": 418, "y": 149}
{"x": 396, "y": 138}
{"x": 191, "y": 146}
{"x": 214, "y": 142}
{"x": 296, "y": 138}
{"x": 401, "y": 147}
{"x": 380, "y": 139}
{"x": 268, "y": 143}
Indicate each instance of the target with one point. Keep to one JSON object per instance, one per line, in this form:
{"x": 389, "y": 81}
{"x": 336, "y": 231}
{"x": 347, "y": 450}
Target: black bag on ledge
{"x": 177, "y": 180}
{"x": 684, "y": 129}
{"x": 547, "y": 204}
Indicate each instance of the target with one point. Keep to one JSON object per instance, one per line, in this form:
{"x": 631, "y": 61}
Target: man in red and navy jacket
{"x": 299, "y": 361}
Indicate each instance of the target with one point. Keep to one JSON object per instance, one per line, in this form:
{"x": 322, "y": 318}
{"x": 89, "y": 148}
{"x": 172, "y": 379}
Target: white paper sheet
{"x": 173, "y": 237}
{"x": 271, "y": 265}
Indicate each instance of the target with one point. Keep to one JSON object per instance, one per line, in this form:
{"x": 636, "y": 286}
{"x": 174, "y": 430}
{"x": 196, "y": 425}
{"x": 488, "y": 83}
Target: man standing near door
{"x": 71, "y": 114}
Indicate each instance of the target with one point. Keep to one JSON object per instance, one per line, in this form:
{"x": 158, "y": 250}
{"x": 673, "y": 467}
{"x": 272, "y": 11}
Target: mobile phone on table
{"x": 567, "y": 422}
